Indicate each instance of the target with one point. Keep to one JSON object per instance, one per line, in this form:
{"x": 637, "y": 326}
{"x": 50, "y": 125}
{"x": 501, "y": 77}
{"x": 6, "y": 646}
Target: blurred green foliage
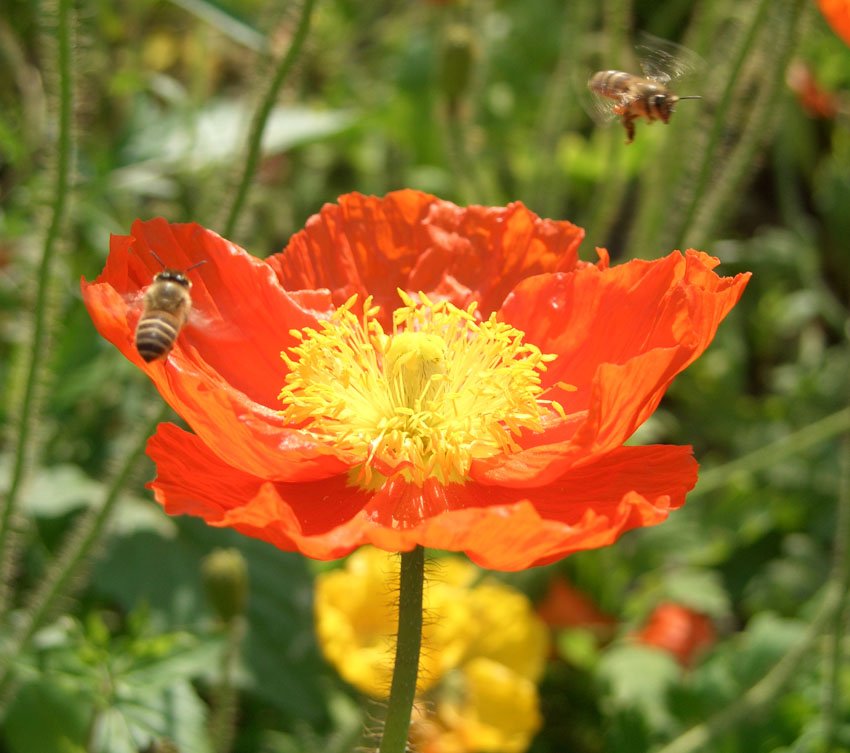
{"x": 479, "y": 101}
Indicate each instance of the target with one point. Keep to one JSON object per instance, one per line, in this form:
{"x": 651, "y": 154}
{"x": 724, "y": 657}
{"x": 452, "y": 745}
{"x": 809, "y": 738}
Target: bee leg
{"x": 629, "y": 125}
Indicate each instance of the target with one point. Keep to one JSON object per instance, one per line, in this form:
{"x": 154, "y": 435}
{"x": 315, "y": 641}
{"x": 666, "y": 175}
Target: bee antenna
{"x": 692, "y": 96}
{"x": 196, "y": 264}
{"x": 161, "y": 262}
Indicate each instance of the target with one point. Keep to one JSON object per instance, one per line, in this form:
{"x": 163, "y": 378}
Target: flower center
{"x": 424, "y": 401}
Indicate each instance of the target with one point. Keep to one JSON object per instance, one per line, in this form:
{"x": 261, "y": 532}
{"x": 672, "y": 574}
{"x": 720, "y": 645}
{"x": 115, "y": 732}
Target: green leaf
{"x": 766, "y": 640}
{"x": 215, "y": 134}
{"x": 639, "y": 677}
{"x": 142, "y": 714}
{"x": 47, "y": 714}
{"x": 280, "y": 657}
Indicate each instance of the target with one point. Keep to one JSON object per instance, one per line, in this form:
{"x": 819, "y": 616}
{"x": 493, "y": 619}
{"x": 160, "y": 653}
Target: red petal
{"x": 222, "y": 376}
{"x": 191, "y": 480}
{"x": 837, "y": 15}
{"x": 631, "y": 487}
{"x": 621, "y": 335}
{"x": 413, "y": 241}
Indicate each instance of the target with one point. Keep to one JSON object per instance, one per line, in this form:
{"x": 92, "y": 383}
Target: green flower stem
{"x": 223, "y": 713}
{"x": 840, "y": 576}
{"x": 262, "y": 115}
{"x": 403, "y": 689}
{"x": 457, "y": 152}
{"x": 721, "y": 120}
{"x": 783, "y": 31}
{"x": 37, "y": 356}
{"x": 63, "y": 573}
{"x": 544, "y": 185}
{"x": 829, "y": 616}
{"x": 775, "y": 452}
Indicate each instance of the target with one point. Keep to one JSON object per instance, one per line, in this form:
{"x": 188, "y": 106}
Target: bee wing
{"x": 600, "y": 109}
{"x": 664, "y": 61}
{"x": 201, "y": 323}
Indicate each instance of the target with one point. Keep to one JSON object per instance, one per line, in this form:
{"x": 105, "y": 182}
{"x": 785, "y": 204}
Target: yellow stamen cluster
{"x": 441, "y": 390}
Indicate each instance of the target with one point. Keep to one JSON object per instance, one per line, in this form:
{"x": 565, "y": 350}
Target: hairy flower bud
{"x": 226, "y": 582}
{"x": 458, "y": 55}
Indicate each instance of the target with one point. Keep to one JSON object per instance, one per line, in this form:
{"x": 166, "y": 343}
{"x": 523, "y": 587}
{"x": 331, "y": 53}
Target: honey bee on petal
{"x": 632, "y": 97}
{"x": 166, "y": 306}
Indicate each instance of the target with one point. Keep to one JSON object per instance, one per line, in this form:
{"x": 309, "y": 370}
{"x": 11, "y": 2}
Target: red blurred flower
{"x": 837, "y": 15}
{"x": 565, "y": 606}
{"x": 678, "y": 630}
{"x": 461, "y": 435}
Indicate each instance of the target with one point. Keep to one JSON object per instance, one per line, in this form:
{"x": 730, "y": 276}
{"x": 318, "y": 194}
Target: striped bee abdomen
{"x": 156, "y": 333}
{"x": 167, "y": 304}
{"x": 611, "y": 84}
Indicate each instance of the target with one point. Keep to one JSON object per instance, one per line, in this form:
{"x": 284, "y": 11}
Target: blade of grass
{"x": 228, "y": 25}
{"x": 779, "y": 41}
{"x": 766, "y": 691}
{"x": 262, "y": 115}
{"x": 775, "y": 452}
{"x": 829, "y": 616}
{"x": 721, "y": 120}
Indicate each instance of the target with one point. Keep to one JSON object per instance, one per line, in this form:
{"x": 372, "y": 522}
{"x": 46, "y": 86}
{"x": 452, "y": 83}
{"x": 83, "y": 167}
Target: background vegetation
{"x": 136, "y": 108}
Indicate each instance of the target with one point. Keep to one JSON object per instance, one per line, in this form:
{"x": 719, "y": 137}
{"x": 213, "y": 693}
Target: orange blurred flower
{"x": 815, "y": 101}
{"x": 564, "y": 606}
{"x": 837, "y": 15}
{"x": 678, "y": 630}
{"x": 483, "y": 410}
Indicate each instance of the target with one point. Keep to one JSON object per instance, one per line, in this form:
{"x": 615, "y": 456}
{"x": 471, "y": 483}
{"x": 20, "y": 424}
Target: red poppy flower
{"x": 487, "y": 415}
{"x": 678, "y": 630}
{"x": 837, "y": 15}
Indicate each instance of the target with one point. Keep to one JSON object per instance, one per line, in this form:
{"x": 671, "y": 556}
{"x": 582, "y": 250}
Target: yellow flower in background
{"x": 356, "y": 611}
{"x": 483, "y": 650}
{"x": 507, "y": 629}
{"x": 483, "y": 706}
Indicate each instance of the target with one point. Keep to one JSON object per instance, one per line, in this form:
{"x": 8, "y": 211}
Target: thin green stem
{"x": 41, "y": 324}
{"x": 720, "y": 123}
{"x": 829, "y": 616}
{"x": 778, "y": 46}
{"x": 457, "y": 149}
{"x": 223, "y": 713}
{"x": 841, "y": 577}
{"x": 775, "y": 452}
{"x": 405, "y": 671}
{"x": 262, "y": 115}
{"x": 75, "y": 554}
{"x": 765, "y": 692}
{"x": 545, "y": 186}
{"x": 608, "y": 198}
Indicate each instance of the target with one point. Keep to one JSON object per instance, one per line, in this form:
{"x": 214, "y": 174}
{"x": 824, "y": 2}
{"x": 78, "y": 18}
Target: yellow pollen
{"x": 424, "y": 401}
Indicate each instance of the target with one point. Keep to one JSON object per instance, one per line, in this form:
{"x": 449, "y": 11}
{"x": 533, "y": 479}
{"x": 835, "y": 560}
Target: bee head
{"x": 663, "y": 103}
{"x": 173, "y": 275}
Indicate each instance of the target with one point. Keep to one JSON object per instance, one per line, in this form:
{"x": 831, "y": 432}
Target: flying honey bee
{"x": 166, "y": 306}
{"x": 632, "y": 97}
